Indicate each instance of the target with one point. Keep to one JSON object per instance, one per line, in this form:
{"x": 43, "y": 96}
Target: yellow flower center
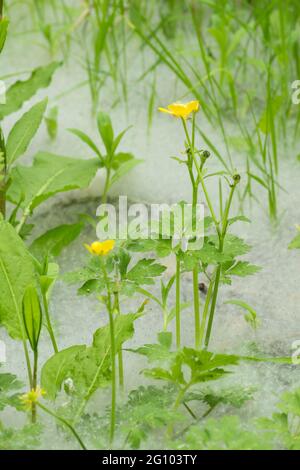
{"x": 181, "y": 110}
{"x": 32, "y": 396}
{"x": 100, "y": 248}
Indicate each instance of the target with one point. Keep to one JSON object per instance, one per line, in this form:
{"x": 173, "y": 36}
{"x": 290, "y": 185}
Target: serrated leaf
{"x": 144, "y": 271}
{"x": 17, "y": 271}
{"x": 226, "y": 433}
{"x": 55, "y": 240}
{"x": 157, "y": 352}
{"x": 234, "y": 396}
{"x": 147, "y": 409}
{"x": 240, "y": 268}
{"x": 26, "y": 438}
{"x": 235, "y": 246}
{"x": 8, "y": 384}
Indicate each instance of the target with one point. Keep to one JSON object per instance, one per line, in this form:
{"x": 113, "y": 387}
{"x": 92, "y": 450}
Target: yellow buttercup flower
{"x": 100, "y": 248}
{"x": 33, "y": 396}
{"x": 181, "y": 110}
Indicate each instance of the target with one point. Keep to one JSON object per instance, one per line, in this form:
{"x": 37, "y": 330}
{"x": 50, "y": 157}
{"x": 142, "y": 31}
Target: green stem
{"x": 213, "y": 306}
{"x": 120, "y": 353}
{"x": 106, "y": 186}
{"x": 205, "y": 312}
{"x": 65, "y": 422}
{"x": 218, "y": 273}
{"x": 191, "y": 142}
{"x": 34, "y": 383}
{"x": 3, "y": 169}
{"x": 113, "y": 378}
{"x": 49, "y": 325}
{"x": 196, "y": 307}
{"x": 113, "y": 357}
{"x": 177, "y": 280}
{"x": 201, "y": 179}
{"x": 28, "y": 364}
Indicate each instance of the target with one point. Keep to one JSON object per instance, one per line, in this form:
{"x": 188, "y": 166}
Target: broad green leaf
{"x": 56, "y": 369}
{"x": 106, "y": 131}
{"x": 49, "y": 175}
{"x": 3, "y": 32}
{"x": 87, "y": 366}
{"x": 22, "y": 91}
{"x": 123, "y": 169}
{"x": 91, "y": 368}
{"x": 55, "y": 240}
{"x": 120, "y": 159}
{"x": 16, "y": 273}
{"x": 51, "y": 122}
{"x": 48, "y": 279}
{"x": 23, "y": 131}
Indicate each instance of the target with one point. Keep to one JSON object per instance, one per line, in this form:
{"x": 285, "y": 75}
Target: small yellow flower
{"x": 29, "y": 398}
{"x": 181, "y": 110}
{"x": 100, "y": 248}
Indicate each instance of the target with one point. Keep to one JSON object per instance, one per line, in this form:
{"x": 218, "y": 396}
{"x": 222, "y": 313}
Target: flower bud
{"x": 32, "y": 316}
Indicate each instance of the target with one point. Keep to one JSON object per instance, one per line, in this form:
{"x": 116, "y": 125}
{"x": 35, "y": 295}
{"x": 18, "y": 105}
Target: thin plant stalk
{"x": 222, "y": 236}
{"x": 3, "y": 172}
{"x": 34, "y": 383}
{"x": 49, "y": 325}
{"x": 120, "y": 353}
{"x": 195, "y": 184}
{"x": 106, "y": 186}
{"x": 177, "y": 312}
{"x": 113, "y": 357}
{"x": 63, "y": 421}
